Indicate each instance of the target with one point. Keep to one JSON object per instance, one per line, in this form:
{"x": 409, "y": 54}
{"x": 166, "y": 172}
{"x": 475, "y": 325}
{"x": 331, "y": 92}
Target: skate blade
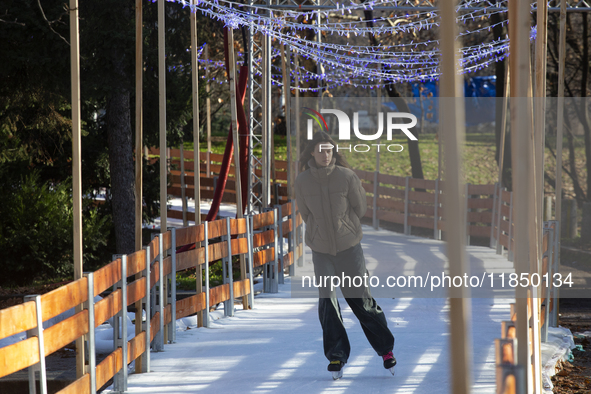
{"x": 336, "y": 375}
{"x": 391, "y": 370}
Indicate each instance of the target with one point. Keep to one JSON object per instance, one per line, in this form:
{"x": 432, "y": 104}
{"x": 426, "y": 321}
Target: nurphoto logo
{"x": 344, "y": 128}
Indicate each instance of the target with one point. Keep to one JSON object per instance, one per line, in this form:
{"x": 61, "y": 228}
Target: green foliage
{"x": 186, "y": 280}
{"x": 36, "y": 231}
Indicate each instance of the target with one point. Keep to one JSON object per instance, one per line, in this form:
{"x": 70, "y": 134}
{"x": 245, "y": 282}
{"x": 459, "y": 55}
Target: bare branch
{"x": 50, "y": 23}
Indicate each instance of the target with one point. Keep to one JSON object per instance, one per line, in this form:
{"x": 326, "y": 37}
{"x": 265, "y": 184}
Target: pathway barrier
{"x": 510, "y": 376}
{"x": 147, "y": 278}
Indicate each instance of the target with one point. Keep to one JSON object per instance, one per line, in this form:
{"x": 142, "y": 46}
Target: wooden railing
{"x": 510, "y": 376}
{"x": 147, "y": 278}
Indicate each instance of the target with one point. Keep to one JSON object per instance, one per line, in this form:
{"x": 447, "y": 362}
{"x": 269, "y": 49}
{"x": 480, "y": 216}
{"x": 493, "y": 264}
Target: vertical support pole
{"x": 468, "y": 210}
{"x": 208, "y": 108}
{"x": 267, "y": 129}
{"x": 40, "y": 366}
{"x": 76, "y": 164}
{"x": 275, "y": 265}
{"x": 293, "y": 238}
{"x": 500, "y": 218}
{"x": 519, "y": 26}
{"x": 279, "y": 221}
{"x": 120, "y": 328}
{"x": 452, "y": 131}
{"x": 139, "y": 103}
{"x": 286, "y": 63}
{"x": 406, "y": 190}
{"x": 436, "y": 231}
{"x": 249, "y": 235}
{"x": 183, "y": 186}
{"x": 376, "y": 174}
{"x": 555, "y": 268}
{"x": 559, "y": 133}
{"x": 161, "y": 289}
{"x": 493, "y": 241}
{"x": 196, "y": 149}
{"x": 90, "y": 335}
{"x": 172, "y": 324}
{"x": 206, "y": 254}
{"x": 162, "y": 114}
{"x": 229, "y": 279}
{"x": 297, "y": 113}
{"x": 146, "y": 301}
{"x": 510, "y": 241}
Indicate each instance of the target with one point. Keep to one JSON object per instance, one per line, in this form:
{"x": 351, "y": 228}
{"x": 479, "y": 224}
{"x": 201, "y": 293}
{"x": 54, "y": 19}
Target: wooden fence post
{"x": 436, "y": 231}
{"x": 493, "y": 241}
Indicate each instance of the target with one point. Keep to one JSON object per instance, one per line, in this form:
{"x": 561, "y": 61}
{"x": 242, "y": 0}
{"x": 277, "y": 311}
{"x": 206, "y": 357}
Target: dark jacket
{"x": 331, "y": 201}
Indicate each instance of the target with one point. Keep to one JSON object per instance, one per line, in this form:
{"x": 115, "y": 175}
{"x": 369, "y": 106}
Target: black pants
{"x": 348, "y": 263}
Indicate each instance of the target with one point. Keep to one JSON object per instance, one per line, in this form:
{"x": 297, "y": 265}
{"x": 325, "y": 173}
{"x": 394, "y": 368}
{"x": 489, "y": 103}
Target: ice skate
{"x": 336, "y": 367}
{"x": 389, "y": 362}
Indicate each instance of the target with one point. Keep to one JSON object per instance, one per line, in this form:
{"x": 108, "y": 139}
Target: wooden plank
{"x": 505, "y": 210}
{"x": 167, "y": 240}
{"x": 481, "y": 189}
{"x": 154, "y": 325}
{"x": 136, "y": 290}
{"x": 390, "y": 204}
{"x": 107, "y": 276}
{"x": 506, "y": 196}
{"x": 107, "y": 307}
{"x": 263, "y": 219}
{"x": 262, "y": 239}
{"x": 368, "y": 187}
{"x": 216, "y": 228}
{"x": 64, "y": 298}
{"x": 288, "y": 259}
{"x": 480, "y": 203}
{"x": 263, "y": 257}
{"x": 190, "y": 305}
{"x": 167, "y": 264}
{"x": 154, "y": 248}
{"x": 391, "y": 179}
{"x": 167, "y": 314}
{"x": 190, "y": 235}
{"x": 421, "y": 184}
{"x": 17, "y": 318}
{"x": 64, "y": 332}
{"x": 109, "y": 367}
{"x": 286, "y": 227}
{"x": 237, "y": 226}
{"x": 286, "y": 209}
{"x": 239, "y": 246}
{"x": 480, "y": 217}
{"x": 219, "y": 294}
{"x": 19, "y": 355}
{"x": 420, "y": 222}
{"x": 154, "y": 274}
{"x": 190, "y": 259}
{"x": 79, "y": 386}
{"x": 391, "y": 217}
{"x": 504, "y": 240}
{"x": 390, "y": 192}
{"x": 479, "y": 231}
{"x": 136, "y": 347}
{"x": 364, "y": 175}
{"x": 241, "y": 288}
{"x": 421, "y": 197}
{"x": 421, "y": 209}
{"x": 217, "y": 251}
{"x": 136, "y": 262}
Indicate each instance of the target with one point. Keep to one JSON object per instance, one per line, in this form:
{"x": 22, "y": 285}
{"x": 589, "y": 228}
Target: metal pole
{"x": 139, "y": 158}
{"x": 208, "y": 107}
{"x": 195, "y": 82}
{"x": 452, "y": 132}
{"x": 162, "y": 114}
{"x": 76, "y": 164}
{"x": 519, "y": 25}
{"x": 559, "y": 132}
{"x": 287, "y": 94}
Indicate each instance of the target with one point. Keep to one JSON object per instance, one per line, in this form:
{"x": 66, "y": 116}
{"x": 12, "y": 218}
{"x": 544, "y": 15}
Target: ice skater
{"x": 332, "y": 201}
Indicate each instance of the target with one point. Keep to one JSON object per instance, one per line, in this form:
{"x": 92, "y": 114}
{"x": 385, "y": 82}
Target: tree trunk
{"x": 118, "y": 118}
{"x": 585, "y": 112}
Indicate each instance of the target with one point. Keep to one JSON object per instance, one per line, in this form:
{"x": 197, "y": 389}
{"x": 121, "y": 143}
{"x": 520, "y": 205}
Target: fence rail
{"x": 147, "y": 278}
